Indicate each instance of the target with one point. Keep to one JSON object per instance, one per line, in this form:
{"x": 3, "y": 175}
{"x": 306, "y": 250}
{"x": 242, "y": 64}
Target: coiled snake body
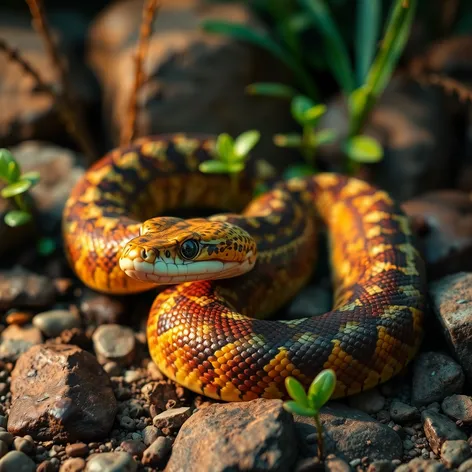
{"x": 214, "y": 336}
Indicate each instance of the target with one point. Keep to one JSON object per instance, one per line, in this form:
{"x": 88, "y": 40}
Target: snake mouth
{"x": 162, "y": 272}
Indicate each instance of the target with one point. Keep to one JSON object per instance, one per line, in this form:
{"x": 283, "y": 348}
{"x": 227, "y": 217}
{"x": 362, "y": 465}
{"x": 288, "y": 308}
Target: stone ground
{"x": 77, "y": 388}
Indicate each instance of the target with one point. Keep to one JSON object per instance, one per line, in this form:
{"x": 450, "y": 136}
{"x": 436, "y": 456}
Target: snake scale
{"x": 209, "y": 328}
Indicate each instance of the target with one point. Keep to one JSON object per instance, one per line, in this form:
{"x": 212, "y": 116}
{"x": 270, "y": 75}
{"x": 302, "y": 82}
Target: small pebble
{"x": 173, "y": 418}
{"x": 439, "y": 428}
{"x": 53, "y": 322}
{"x": 402, "y": 413}
{"x": 3, "y": 421}
{"x": 150, "y": 434}
{"x": 3, "y": 448}
{"x": 46, "y": 466}
{"x": 18, "y": 318}
{"x": 127, "y": 423}
{"x": 111, "y": 462}
{"x": 77, "y": 450}
{"x": 75, "y": 464}
{"x": 134, "y": 446}
{"x": 454, "y": 453}
{"x": 157, "y": 452}
{"x": 23, "y": 445}
{"x": 458, "y": 407}
{"x": 113, "y": 342}
{"x": 371, "y": 401}
{"x": 6, "y": 437}
{"x": 381, "y": 466}
{"x": 465, "y": 466}
{"x": 112, "y": 369}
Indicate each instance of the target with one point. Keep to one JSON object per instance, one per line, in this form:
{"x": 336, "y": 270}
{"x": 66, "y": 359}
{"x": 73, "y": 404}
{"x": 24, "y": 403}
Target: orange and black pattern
{"x": 214, "y": 337}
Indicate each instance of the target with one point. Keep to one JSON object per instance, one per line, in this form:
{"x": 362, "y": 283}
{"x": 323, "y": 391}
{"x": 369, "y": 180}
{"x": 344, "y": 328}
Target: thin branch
{"x": 448, "y": 84}
{"x": 149, "y": 10}
{"x": 67, "y": 105}
{"x": 14, "y": 56}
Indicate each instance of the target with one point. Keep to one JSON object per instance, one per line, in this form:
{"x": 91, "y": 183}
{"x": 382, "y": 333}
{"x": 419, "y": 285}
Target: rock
{"x": 438, "y": 428}
{"x": 160, "y": 392}
{"x": 60, "y": 393}
{"x": 335, "y": 464}
{"x": 47, "y": 466}
{"x": 3, "y": 448}
{"x": 111, "y": 462}
{"x": 77, "y": 450}
{"x": 454, "y": 453}
{"x": 452, "y": 304}
{"x": 150, "y": 434}
{"x": 465, "y": 466}
{"x": 76, "y": 464}
{"x": 53, "y": 322}
{"x": 6, "y": 437}
{"x": 458, "y": 407}
{"x": 213, "y": 75}
{"x": 421, "y": 465}
{"x": 114, "y": 342}
{"x": 351, "y": 434}
{"x": 29, "y": 113}
{"x": 15, "y": 340}
{"x": 25, "y": 445}
{"x": 380, "y": 466}
{"x": 435, "y": 376}
{"x": 16, "y": 461}
{"x": 172, "y": 419}
{"x": 135, "y": 447}
{"x": 406, "y": 121}
{"x": 443, "y": 222}
{"x": 101, "y": 309}
{"x": 402, "y": 413}
{"x": 370, "y": 401}
{"x": 156, "y": 454}
{"x": 22, "y": 289}
{"x": 258, "y": 434}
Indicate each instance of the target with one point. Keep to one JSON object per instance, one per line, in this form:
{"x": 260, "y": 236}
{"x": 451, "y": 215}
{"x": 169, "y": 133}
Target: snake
{"x": 241, "y": 257}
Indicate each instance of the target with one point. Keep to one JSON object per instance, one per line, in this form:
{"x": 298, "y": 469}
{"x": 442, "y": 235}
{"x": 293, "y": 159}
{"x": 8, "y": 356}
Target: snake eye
{"x": 189, "y": 249}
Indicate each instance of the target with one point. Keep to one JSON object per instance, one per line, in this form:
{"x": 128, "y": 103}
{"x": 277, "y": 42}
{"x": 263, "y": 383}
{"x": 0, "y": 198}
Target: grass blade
{"x": 336, "y": 52}
{"x": 368, "y": 18}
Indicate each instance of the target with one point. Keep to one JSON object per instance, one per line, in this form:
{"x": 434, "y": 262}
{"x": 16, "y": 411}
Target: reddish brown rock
{"x": 443, "y": 222}
{"x": 15, "y": 340}
{"x": 439, "y": 428}
{"x": 452, "y": 304}
{"x": 196, "y": 81}
{"x": 255, "y": 435}
{"x": 28, "y": 113}
{"x": 60, "y": 393}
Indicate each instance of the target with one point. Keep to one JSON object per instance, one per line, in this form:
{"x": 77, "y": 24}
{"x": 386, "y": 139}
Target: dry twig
{"x": 448, "y": 84}
{"x": 149, "y": 10}
{"x": 67, "y": 107}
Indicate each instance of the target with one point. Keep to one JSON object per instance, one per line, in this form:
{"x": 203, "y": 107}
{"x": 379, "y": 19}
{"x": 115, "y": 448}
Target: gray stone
{"x": 255, "y": 435}
{"x": 150, "y": 434}
{"x": 421, "y": 465}
{"x": 439, "y": 428}
{"x": 113, "y": 342}
{"x": 458, "y": 407}
{"x": 53, "y": 322}
{"x": 452, "y": 304}
{"x": 157, "y": 452}
{"x": 465, "y": 466}
{"x": 435, "y": 376}
{"x": 351, "y": 434}
{"x": 370, "y": 401}
{"x": 16, "y": 461}
{"x": 111, "y": 462}
{"x": 173, "y": 418}
{"x": 402, "y": 413}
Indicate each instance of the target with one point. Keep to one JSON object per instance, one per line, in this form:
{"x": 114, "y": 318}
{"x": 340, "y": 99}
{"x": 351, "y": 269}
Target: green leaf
{"x": 17, "y": 218}
{"x": 16, "y": 188}
{"x": 33, "y": 177}
{"x": 9, "y": 168}
{"x": 301, "y": 170}
{"x": 313, "y": 114}
{"x": 364, "y": 149}
{"x": 394, "y": 40}
{"x": 245, "y": 142}
{"x": 297, "y": 409}
{"x": 224, "y": 147}
{"x": 335, "y": 50}
{"x": 369, "y": 13}
{"x": 235, "y": 167}
{"x": 300, "y": 105}
{"x": 325, "y": 136}
{"x": 214, "y": 167}
{"x": 271, "y": 89}
{"x": 321, "y": 388}
{"x": 296, "y": 391}
{"x": 290, "y": 140}
{"x": 358, "y": 100}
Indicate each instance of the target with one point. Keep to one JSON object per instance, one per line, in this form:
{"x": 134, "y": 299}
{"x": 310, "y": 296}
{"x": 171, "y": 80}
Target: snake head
{"x": 172, "y": 250}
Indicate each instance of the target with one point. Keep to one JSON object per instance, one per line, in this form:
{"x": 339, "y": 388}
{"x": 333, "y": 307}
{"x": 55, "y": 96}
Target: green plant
{"x": 231, "y": 156}
{"x": 307, "y": 114}
{"x": 309, "y": 404}
{"x": 17, "y": 186}
{"x": 361, "y": 85}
